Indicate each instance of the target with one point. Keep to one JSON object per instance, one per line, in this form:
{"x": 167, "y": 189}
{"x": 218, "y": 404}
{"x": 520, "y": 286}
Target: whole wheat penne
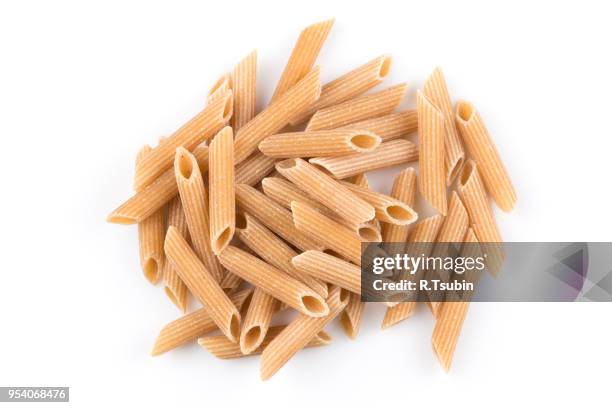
{"x": 481, "y": 147}
{"x": 330, "y": 234}
{"x": 420, "y": 241}
{"x": 453, "y": 230}
{"x": 436, "y": 91}
{"x": 361, "y": 108}
{"x": 202, "y": 284}
{"x": 273, "y": 216}
{"x": 195, "y": 205}
{"x": 224, "y": 349}
{"x": 472, "y": 192}
{"x": 298, "y": 334}
{"x": 349, "y": 85}
{"x": 387, "y": 208}
{"x": 352, "y": 316}
{"x": 244, "y": 86}
{"x": 193, "y": 325}
{"x": 404, "y": 190}
{"x": 257, "y": 321}
{"x": 255, "y": 168}
{"x": 151, "y": 236}
{"x": 389, "y": 127}
{"x": 221, "y": 183}
{"x": 302, "y": 57}
{"x": 360, "y": 179}
{"x": 451, "y": 317}
{"x": 203, "y": 126}
{"x": 432, "y": 179}
{"x": 388, "y": 154}
{"x": 277, "y": 115}
{"x": 220, "y": 88}
{"x": 284, "y": 192}
{"x": 322, "y": 143}
{"x": 274, "y": 282}
{"x": 146, "y": 201}
{"x": 175, "y": 288}
{"x": 329, "y": 269}
{"x": 230, "y": 281}
{"x": 273, "y": 250}
{"x": 326, "y": 190}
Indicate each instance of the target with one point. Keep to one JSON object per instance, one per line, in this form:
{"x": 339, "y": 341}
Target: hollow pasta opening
{"x": 313, "y": 305}
{"x": 385, "y": 67}
{"x": 223, "y": 239}
{"x": 456, "y": 169}
{"x": 234, "y": 326}
{"x": 399, "y": 213}
{"x": 252, "y": 338}
{"x": 466, "y": 173}
{"x": 241, "y": 221}
{"x": 364, "y": 141}
{"x": 185, "y": 166}
{"x": 465, "y": 110}
{"x": 287, "y": 164}
{"x": 323, "y": 336}
{"x": 368, "y": 233}
{"x": 150, "y": 269}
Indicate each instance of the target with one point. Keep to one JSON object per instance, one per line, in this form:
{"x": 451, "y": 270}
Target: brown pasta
{"x": 436, "y": 91}
{"x": 202, "y": 284}
{"x": 329, "y": 269}
{"x": 481, "y": 147}
{"x": 202, "y": 127}
{"x": 403, "y": 190}
{"x": 175, "y": 288}
{"x": 277, "y": 115}
{"x": 254, "y": 169}
{"x": 391, "y": 126}
{"x": 361, "y": 108}
{"x": 220, "y": 88}
{"x": 195, "y": 205}
{"x": 352, "y": 316}
{"x": 274, "y": 282}
{"x": 221, "y": 183}
{"x": 221, "y": 348}
{"x": 298, "y": 334}
{"x": 349, "y": 85}
{"x": 257, "y": 321}
{"x": 193, "y": 325}
{"x": 244, "y": 86}
{"x": 323, "y": 143}
{"x": 388, "y": 154}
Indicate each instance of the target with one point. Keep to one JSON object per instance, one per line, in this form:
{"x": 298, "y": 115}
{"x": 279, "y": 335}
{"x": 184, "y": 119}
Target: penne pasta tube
{"x": 202, "y": 127}
{"x": 349, "y": 85}
{"x": 361, "y": 108}
{"x": 472, "y": 192}
{"x": 202, "y": 284}
{"x": 330, "y": 234}
{"x": 302, "y": 57}
{"x": 273, "y": 250}
{"x": 352, "y": 316}
{"x": 453, "y": 230}
{"x": 273, "y": 216}
{"x": 436, "y": 91}
{"x": 420, "y": 241}
{"x": 387, "y": 208}
{"x": 326, "y": 190}
{"x": 330, "y": 269}
{"x": 274, "y": 282}
{"x": 257, "y": 321}
{"x": 253, "y": 169}
{"x": 386, "y": 155}
{"x": 452, "y": 315}
{"x": 360, "y": 179}
{"x": 244, "y": 86}
{"x": 221, "y": 348}
{"x": 220, "y": 88}
{"x": 482, "y": 149}
{"x": 175, "y": 288}
{"x": 298, "y": 334}
{"x": 148, "y": 200}
{"x": 195, "y": 205}
{"x": 193, "y": 325}
{"x": 322, "y": 143}
{"x": 277, "y": 115}
{"x": 284, "y": 192}
{"x": 230, "y": 281}
{"x": 389, "y": 127}
{"x": 432, "y": 179}
{"x": 151, "y": 232}
{"x": 221, "y": 183}
{"x": 403, "y": 190}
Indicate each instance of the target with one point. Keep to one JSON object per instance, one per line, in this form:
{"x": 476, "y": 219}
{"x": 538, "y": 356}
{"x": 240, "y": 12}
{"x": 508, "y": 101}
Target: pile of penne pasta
{"x": 255, "y": 212}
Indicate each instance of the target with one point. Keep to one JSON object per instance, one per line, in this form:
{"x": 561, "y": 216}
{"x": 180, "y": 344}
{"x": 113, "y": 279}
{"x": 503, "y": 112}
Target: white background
{"x": 84, "y": 85}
